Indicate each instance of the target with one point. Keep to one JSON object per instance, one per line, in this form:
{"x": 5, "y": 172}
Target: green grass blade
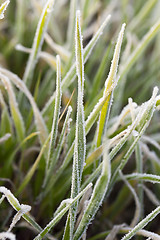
{"x": 39, "y": 122}
{"x": 59, "y": 147}
{"x": 16, "y": 115}
{"x": 110, "y": 80}
{"x": 32, "y": 170}
{"x": 97, "y": 197}
{"x": 146, "y": 116}
{"x": 142, "y": 224}
{"x": 70, "y": 76}
{"x": 54, "y": 130}
{"x": 60, "y": 214}
{"x": 143, "y": 176}
{"x": 132, "y": 59}
{"x": 80, "y": 140}
{"x": 38, "y": 39}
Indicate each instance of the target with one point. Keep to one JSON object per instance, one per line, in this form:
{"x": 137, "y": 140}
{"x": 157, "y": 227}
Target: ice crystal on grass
{"x": 3, "y": 8}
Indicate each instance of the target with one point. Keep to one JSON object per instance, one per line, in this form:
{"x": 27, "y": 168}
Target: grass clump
{"x": 74, "y": 146}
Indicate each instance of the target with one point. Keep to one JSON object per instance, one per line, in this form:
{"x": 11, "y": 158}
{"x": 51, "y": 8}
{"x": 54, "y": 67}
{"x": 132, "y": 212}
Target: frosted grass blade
{"x": 60, "y": 214}
{"x": 132, "y": 59}
{"x": 16, "y": 115}
{"x": 146, "y": 116}
{"x": 38, "y": 40}
{"x": 143, "y": 176}
{"x": 17, "y": 206}
{"x": 5, "y": 137}
{"x": 143, "y": 118}
{"x": 39, "y": 122}
{"x": 88, "y": 124}
{"x": 70, "y": 76}
{"x": 80, "y": 140}
{"x": 3, "y": 8}
{"x": 97, "y": 197}
{"x": 4, "y": 235}
{"x": 110, "y": 80}
{"x": 142, "y": 224}
{"x": 59, "y": 147}
{"x": 54, "y": 130}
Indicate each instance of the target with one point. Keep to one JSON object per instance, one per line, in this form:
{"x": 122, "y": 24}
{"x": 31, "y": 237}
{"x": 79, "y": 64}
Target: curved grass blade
{"x": 17, "y": 206}
{"x": 38, "y": 40}
{"x": 16, "y": 115}
{"x": 146, "y": 116}
{"x": 97, "y": 197}
{"x": 39, "y": 122}
{"x": 143, "y": 118}
{"x": 32, "y": 170}
{"x": 88, "y": 124}
{"x": 71, "y": 75}
{"x": 142, "y": 224}
{"x": 60, "y": 214}
{"x": 50, "y": 59}
{"x": 3, "y": 8}
{"x": 143, "y": 176}
{"x": 110, "y": 80}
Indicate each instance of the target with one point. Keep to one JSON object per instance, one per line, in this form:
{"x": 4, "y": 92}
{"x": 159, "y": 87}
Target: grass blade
{"x": 142, "y": 224}
{"x": 56, "y": 115}
{"x": 16, "y": 115}
{"x": 38, "y": 39}
{"x": 60, "y": 214}
{"x": 110, "y": 80}
{"x": 97, "y": 197}
{"x": 39, "y": 122}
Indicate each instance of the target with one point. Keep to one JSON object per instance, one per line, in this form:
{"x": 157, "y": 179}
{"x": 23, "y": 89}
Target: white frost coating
{"x": 97, "y": 107}
{"x": 54, "y": 130}
{"x": 11, "y": 198}
{"x": 3, "y": 8}
{"x": 19, "y": 214}
{"x": 2, "y": 198}
{"x": 4, "y": 235}
{"x": 5, "y": 137}
{"x": 142, "y": 224}
{"x": 115, "y": 60}
{"x": 39, "y": 122}
{"x": 120, "y": 119}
